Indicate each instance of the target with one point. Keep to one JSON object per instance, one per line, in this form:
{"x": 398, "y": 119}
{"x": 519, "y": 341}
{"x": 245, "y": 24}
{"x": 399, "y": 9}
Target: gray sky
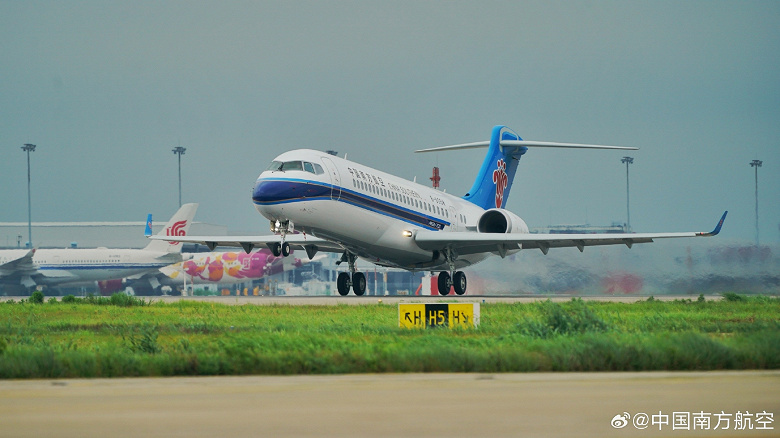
{"x": 107, "y": 89}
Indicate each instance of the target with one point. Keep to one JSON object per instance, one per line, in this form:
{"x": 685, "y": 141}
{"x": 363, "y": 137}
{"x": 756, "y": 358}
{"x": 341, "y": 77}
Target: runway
{"x": 395, "y": 405}
{"x": 395, "y": 299}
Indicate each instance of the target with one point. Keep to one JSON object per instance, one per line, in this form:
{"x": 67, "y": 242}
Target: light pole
{"x": 627, "y": 160}
{"x": 29, "y": 148}
{"x": 756, "y": 164}
{"x": 178, "y": 150}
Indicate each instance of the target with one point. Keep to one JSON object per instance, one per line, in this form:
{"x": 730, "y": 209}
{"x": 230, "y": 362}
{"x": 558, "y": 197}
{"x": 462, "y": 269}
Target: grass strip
{"x": 121, "y": 337}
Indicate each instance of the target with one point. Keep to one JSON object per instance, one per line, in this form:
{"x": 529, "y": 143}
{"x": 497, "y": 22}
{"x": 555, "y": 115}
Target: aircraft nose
{"x": 269, "y": 192}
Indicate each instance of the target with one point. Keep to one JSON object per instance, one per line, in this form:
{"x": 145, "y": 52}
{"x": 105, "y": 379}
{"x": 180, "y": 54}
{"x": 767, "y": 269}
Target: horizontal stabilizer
{"x": 527, "y": 144}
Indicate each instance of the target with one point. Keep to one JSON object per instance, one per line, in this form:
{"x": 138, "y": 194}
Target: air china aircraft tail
{"x": 177, "y": 226}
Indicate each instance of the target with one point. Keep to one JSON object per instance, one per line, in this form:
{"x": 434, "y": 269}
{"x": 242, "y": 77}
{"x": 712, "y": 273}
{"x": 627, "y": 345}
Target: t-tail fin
{"x": 494, "y": 180}
{"x": 179, "y": 225}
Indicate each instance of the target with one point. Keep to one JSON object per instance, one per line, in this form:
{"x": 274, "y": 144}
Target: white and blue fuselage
{"x": 86, "y": 266}
{"x": 363, "y": 209}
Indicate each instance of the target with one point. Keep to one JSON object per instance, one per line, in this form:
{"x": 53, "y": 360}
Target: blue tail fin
{"x": 494, "y": 180}
{"x": 148, "y": 230}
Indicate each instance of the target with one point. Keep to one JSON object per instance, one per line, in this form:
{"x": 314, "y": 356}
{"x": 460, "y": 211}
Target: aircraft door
{"x": 335, "y": 178}
{"x": 455, "y": 224}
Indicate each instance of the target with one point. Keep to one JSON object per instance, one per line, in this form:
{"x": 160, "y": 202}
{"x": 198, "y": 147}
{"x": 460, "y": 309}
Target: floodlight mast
{"x": 178, "y": 150}
{"x": 756, "y": 164}
{"x": 29, "y": 148}
{"x": 627, "y": 160}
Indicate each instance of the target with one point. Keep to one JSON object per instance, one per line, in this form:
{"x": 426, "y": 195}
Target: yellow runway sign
{"x": 438, "y": 315}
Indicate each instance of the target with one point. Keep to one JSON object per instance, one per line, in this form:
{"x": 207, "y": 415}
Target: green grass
{"x": 126, "y": 336}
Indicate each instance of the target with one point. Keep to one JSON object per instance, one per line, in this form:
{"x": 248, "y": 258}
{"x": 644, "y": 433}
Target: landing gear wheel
{"x": 359, "y": 283}
{"x": 285, "y": 249}
{"x": 459, "y": 282}
{"x": 276, "y": 249}
{"x": 444, "y": 283}
{"x": 343, "y": 284}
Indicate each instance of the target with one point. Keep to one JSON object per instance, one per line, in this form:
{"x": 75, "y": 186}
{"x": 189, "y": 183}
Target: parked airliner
{"x": 25, "y": 270}
{"x": 230, "y": 267}
{"x": 208, "y": 268}
{"x": 345, "y": 207}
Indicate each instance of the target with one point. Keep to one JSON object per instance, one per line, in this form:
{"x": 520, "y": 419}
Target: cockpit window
{"x": 292, "y": 165}
{"x": 296, "y": 165}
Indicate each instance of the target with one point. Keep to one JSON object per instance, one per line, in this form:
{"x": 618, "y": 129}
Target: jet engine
{"x": 498, "y": 220}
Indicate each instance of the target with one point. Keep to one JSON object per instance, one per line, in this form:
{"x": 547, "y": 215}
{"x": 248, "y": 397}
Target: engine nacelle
{"x": 498, "y": 220}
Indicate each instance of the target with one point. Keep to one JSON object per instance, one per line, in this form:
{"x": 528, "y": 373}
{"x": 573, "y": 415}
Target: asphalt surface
{"x": 394, "y": 405}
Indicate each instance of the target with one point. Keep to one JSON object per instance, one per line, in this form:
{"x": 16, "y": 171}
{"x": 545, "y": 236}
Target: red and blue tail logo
{"x": 501, "y": 181}
{"x": 494, "y": 180}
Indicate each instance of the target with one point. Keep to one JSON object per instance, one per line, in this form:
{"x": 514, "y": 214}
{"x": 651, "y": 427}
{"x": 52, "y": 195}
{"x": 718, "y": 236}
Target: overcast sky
{"x": 107, "y": 89}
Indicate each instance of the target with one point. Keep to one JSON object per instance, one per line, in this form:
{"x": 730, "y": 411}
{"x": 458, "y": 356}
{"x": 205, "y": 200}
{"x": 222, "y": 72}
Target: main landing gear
{"x": 357, "y": 281}
{"x": 457, "y": 280}
{"x": 453, "y": 278}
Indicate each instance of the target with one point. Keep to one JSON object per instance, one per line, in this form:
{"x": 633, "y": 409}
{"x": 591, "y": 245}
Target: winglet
{"x": 148, "y": 231}
{"x": 717, "y": 228}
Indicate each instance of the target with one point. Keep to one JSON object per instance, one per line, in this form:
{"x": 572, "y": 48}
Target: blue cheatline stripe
{"x": 94, "y": 267}
{"x": 296, "y": 190}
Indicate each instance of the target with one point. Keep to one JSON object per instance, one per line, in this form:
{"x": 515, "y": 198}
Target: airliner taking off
{"x": 344, "y": 207}
{"x": 20, "y": 269}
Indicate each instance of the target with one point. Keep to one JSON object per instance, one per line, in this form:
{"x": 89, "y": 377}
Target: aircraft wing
{"x": 20, "y": 268}
{"x": 310, "y": 244}
{"x": 22, "y": 263}
{"x": 471, "y": 243}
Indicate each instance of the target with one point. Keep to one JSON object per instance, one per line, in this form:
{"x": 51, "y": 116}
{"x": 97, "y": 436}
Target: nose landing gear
{"x": 282, "y": 228}
{"x": 281, "y": 248}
